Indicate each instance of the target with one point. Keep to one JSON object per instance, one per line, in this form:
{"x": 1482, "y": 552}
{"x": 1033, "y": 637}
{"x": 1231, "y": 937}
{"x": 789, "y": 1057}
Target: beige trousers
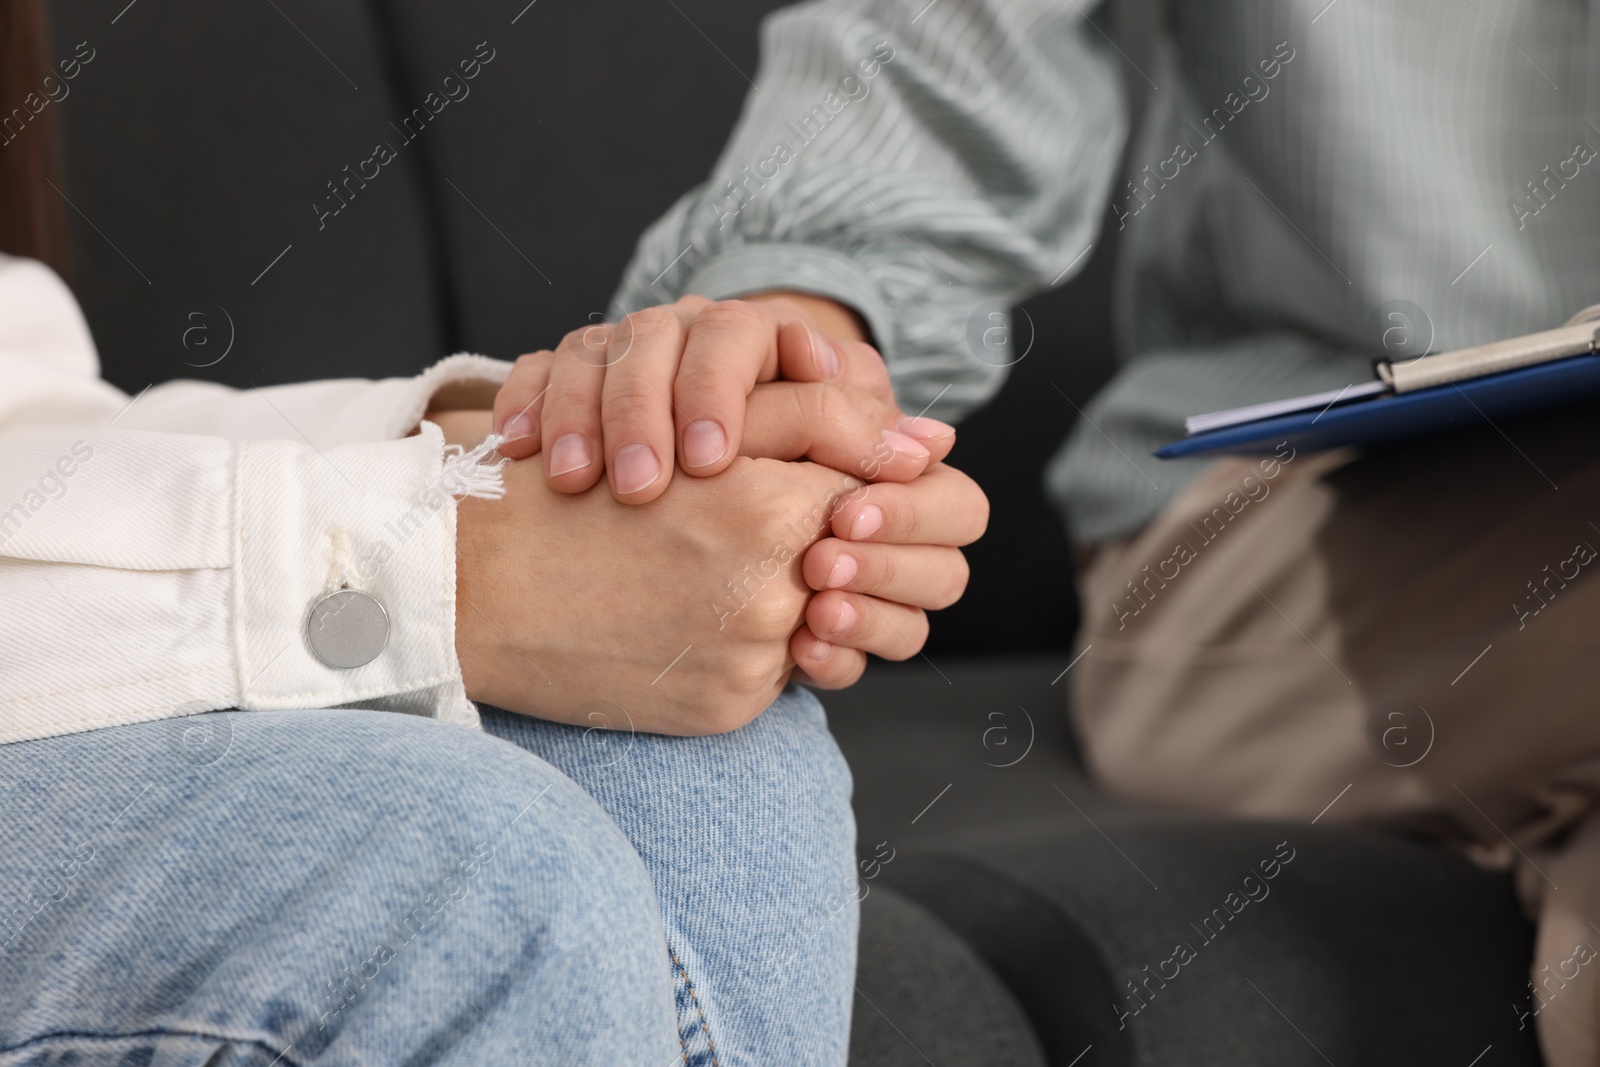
{"x": 1411, "y": 640}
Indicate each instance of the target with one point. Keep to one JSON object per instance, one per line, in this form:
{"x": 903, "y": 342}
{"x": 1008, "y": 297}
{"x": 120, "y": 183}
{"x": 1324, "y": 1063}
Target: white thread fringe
{"x": 340, "y": 570}
{"x": 473, "y": 473}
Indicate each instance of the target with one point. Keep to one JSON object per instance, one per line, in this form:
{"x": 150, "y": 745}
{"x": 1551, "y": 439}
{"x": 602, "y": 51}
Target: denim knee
{"x": 365, "y": 886}
{"x": 547, "y": 892}
{"x": 793, "y": 734}
{"x": 749, "y": 838}
{"x": 783, "y": 763}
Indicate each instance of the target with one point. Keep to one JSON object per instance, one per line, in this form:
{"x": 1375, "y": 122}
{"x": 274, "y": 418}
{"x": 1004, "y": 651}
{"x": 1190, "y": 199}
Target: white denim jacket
{"x": 160, "y": 554}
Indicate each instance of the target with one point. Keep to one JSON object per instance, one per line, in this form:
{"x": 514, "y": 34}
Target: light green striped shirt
{"x": 1308, "y": 172}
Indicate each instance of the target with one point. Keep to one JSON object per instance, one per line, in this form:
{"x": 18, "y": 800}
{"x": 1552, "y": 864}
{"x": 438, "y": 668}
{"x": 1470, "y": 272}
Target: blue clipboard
{"x": 1424, "y": 412}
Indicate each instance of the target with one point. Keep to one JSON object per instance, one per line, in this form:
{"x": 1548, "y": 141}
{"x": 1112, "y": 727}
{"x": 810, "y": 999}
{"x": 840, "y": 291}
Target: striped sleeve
{"x": 929, "y": 164}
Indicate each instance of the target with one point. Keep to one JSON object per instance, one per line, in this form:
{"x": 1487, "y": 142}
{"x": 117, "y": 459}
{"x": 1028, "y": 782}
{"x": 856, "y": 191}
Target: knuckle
{"x": 698, "y": 381}
{"x": 979, "y": 510}
{"x": 568, "y": 398}
{"x": 873, "y": 408}
{"x": 780, "y": 311}
{"x": 751, "y": 675}
{"x": 831, "y": 673}
{"x": 778, "y": 666}
{"x": 630, "y": 405}
{"x": 654, "y": 322}
{"x": 955, "y": 584}
{"x": 849, "y": 672}
{"x": 835, "y": 406}
{"x": 901, "y": 524}
{"x": 727, "y": 716}
{"x": 577, "y": 340}
{"x": 915, "y": 636}
{"x": 772, "y": 617}
{"x": 741, "y": 493}
{"x": 822, "y": 404}
{"x": 808, "y": 513}
{"x": 871, "y": 371}
{"x": 810, "y": 401}
{"x": 886, "y": 569}
{"x": 854, "y": 491}
{"x": 730, "y": 316}
{"x": 961, "y": 577}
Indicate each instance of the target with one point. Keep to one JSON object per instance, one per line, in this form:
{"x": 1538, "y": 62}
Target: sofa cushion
{"x": 922, "y": 995}
{"x": 1168, "y": 942}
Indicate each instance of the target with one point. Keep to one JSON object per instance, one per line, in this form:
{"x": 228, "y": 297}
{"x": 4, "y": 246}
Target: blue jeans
{"x": 362, "y": 887}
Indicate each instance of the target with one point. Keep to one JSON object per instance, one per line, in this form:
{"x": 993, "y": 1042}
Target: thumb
{"x": 806, "y": 354}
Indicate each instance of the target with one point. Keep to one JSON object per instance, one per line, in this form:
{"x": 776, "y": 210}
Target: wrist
{"x": 470, "y": 653}
{"x": 477, "y": 642}
{"x": 461, "y": 427}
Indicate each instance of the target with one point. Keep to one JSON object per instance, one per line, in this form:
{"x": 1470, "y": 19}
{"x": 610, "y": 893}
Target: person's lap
{"x": 365, "y": 887}
{"x": 1408, "y": 639}
{"x": 1355, "y": 623}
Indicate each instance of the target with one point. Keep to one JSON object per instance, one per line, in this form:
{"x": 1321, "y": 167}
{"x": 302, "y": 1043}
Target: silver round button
{"x": 347, "y": 628}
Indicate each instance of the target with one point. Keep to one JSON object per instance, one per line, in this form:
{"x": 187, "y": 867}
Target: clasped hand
{"x": 817, "y": 524}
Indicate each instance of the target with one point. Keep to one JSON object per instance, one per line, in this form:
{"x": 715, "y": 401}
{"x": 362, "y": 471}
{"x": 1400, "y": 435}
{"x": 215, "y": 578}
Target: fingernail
{"x": 821, "y": 650}
{"x": 634, "y": 468}
{"x": 569, "y": 453}
{"x": 704, "y": 443}
{"x": 844, "y": 570}
{"x": 826, "y": 355}
{"x": 904, "y": 445}
{"x": 868, "y": 521}
{"x": 925, "y": 429}
{"x": 519, "y": 427}
{"x": 847, "y": 618}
